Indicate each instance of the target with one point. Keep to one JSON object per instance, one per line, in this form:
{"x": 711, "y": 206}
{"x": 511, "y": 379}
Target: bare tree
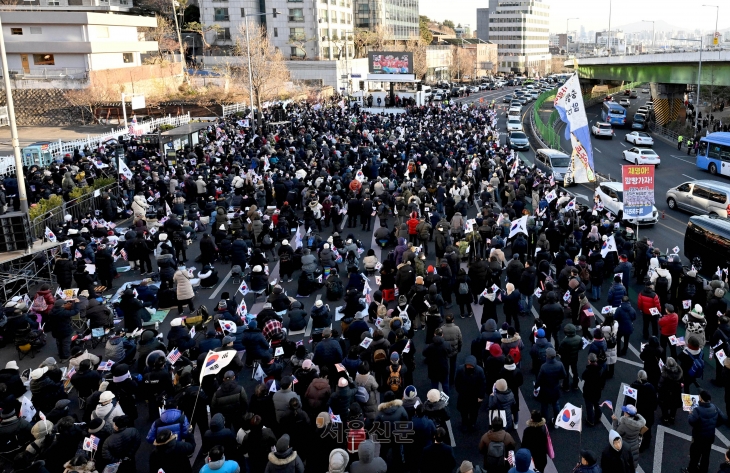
{"x": 100, "y": 92}
{"x": 165, "y": 35}
{"x": 300, "y": 42}
{"x": 418, "y": 46}
{"x": 203, "y": 30}
{"x": 267, "y": 72}
{"x": 462, "y": 62}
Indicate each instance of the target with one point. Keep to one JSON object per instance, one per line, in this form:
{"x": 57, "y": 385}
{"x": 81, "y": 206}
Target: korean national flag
{"x": 569, "y": 418}
{"x": 608, "y": 246}
{"x": 518, "y": 226}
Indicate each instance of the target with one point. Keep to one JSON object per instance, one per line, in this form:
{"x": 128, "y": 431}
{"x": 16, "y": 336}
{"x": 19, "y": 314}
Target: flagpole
{"x": 200, "y": 387}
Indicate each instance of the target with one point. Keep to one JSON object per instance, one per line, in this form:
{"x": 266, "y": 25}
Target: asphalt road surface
{"x": 670, "y": 446}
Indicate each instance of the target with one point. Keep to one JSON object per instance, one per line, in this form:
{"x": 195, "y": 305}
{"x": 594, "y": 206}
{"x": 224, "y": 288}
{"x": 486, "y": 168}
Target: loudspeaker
{"x": 14, "y": 232}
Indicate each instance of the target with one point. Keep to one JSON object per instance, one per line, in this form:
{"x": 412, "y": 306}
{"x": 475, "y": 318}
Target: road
{"x": 668, "y": 451}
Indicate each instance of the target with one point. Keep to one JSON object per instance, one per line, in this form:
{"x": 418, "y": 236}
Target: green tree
{"x": 448, "y": 23}
{"x": 425, "y": 33}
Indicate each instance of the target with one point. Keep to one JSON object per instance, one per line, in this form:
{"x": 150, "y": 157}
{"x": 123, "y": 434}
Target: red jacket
{"x": 647, "y": 300}
{"x": 412, "y": 224}
{"x": 668, "y": 324}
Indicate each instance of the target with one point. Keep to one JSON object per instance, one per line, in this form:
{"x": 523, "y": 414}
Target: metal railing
{"x": 77, "y": 208}
{"x": 665, "y": 132}
{"x": 48, "y": 73}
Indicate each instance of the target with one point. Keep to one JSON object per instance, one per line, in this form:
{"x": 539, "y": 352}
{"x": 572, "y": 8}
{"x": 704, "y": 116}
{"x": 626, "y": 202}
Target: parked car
{"x": 700, "y": 197}
{"x": 642, "y": 156}
{"x": 611, "y": 196}
{"x": 602, "y": 129}
{"x": 639, "y": 138}
{"x": 707, "y": 243}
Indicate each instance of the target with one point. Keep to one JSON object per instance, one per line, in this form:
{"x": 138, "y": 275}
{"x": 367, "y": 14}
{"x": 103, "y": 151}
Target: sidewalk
{"x": 31, "y": 134}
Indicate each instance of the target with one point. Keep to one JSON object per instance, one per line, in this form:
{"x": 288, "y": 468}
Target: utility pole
{"x": 13, "y": 126}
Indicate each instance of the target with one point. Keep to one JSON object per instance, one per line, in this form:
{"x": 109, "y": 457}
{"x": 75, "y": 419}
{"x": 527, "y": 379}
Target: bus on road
{"x": 613, "y": 113}
{"x": 714, "y": 153}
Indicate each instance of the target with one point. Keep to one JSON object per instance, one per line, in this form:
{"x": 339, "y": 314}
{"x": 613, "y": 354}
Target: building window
{"x": 16, "y": 31}
{"x": 296, "y": 34}
{"x": 128, "y": 58}
{"x": 243, "y": 13}
{"x": 296, "y": 15}
{"x": 223, "y": 34}
{"x": 276, "y": 32}
{"x": 221, "y": 14}
{"x": 297, "y": 52}
{"x": 36, "y": 30}
{"x": 44, "y": 60}
{"x": 326, "y": 52}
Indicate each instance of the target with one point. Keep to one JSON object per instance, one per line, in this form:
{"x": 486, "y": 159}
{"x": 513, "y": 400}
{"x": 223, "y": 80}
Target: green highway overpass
{"x": 663, "y": 68}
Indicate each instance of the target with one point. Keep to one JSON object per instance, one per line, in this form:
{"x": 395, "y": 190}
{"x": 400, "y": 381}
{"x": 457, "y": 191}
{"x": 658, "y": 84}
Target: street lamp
{"x": 567, "y": 20}
{"x": 248, "y": 52}
{"x": 652, "y": 32}
{"x": 717, "y": 14}
{"x": 610, "y": 8}
{"x": 699, "y": 75}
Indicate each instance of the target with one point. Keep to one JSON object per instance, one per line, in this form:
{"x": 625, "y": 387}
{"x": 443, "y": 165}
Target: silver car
{"x": 700, "y": 197}
{"x": 556, "y": 163}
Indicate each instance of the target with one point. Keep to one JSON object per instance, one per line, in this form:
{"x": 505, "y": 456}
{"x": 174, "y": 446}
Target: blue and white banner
{"x": 570, "y": 106}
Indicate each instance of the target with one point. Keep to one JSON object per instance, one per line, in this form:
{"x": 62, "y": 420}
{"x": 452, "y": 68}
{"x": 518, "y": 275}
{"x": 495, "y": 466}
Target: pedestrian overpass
{"x": 668, "y": 73}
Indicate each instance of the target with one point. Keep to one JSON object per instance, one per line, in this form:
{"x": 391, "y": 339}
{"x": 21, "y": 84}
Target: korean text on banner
{"x": 569, "y": 104}
{"x": 638, "y": 182}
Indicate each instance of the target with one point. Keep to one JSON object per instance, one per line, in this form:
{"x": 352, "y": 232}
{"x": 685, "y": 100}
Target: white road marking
{"x": 451, "y": 433}
{"x": 659, "y": 445}
{"x": 689, "y": 177}
{"x": 308, "y": 330}
{"x": 596, "y": 149}
{"x": 682, "y": 159}
{"x": 220, "y": 286}
{"x": 622, "y": 144}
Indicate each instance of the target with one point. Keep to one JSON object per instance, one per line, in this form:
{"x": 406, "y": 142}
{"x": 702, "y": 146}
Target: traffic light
{"x": 362, "y": 85}
{"x": 275, "y": 12}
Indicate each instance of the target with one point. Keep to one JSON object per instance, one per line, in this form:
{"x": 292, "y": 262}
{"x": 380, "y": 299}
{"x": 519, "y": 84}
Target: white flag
{"x": 27, "y": 410}
{"x": 569, "y": 418}
{"x": 124, "y": 170}
{"x": 216, "y": 361}
{"x": 518, "y": 226}
{"x": 608, "y": 246}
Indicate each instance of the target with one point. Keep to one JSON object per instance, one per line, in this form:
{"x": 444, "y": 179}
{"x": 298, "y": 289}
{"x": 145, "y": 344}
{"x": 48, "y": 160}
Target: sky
{"x": 594, "y": 14}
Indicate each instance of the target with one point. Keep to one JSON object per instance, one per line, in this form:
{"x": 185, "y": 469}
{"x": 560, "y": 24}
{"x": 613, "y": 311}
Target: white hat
{"x": 106, "y": 396}
{"x": 67, "y": 218}
{"x": 326, "y": 246}
{"x": 163, "y": 236}
{"x": 318, "y": 303}
{"x": 285, "y": 242}
{"x": 257, "y": 268}
{"x": 73, "y": 231}
{"x": 38, "y": 372}
{"x": 433, "y": 395}
{"x": 11, "y": 365}
{"x": 176, "y": 322}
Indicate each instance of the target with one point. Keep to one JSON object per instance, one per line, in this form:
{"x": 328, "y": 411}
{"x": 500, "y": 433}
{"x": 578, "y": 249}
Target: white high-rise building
{"x": 321, "y": 29}
{"x": 521, "y": 30}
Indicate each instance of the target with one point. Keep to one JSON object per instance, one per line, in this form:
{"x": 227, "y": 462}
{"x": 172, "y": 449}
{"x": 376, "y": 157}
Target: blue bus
{"x": 713, "y": 153}
{"x": 613, "y": 113}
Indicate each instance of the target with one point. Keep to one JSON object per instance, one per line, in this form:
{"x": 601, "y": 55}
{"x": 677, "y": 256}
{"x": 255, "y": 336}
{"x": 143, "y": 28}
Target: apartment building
{"x": 520, "y": 28}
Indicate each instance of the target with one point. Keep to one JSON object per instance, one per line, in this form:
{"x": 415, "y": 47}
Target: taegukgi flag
{"x": 216, "y": 361}
{"x": 569, "y": 418}
{"x": 569, "y": 104}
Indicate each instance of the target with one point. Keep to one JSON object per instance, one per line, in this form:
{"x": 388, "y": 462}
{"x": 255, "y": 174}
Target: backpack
{"x": 177, "y": 239}
{"x": 380, "y": 355}
{"x": 391, "y": 256}
{"x": 697, "y": 370}
{"x": 285, "y": 257}
{"x": 515, "y": 354}
{"x": 361, "y": 395}
{"x": 610, "y": 340}
{"x": 585, "y": 275}
{"x": 691, "y": 290}
{"x": 463, "y": 288}
{"x": 542, "y": 353}
{"x": 39, "y": 304}
{"x": 602, "y": 358}
{"x": 395, "y": 380}
{"x": 661, "y": 285}
{"x": 267, "y": 240}
{"x": 495, "y": 460}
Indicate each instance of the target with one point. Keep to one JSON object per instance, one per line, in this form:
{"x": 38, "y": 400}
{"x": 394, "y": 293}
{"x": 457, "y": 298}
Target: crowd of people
{"x": 461, "y": 223}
